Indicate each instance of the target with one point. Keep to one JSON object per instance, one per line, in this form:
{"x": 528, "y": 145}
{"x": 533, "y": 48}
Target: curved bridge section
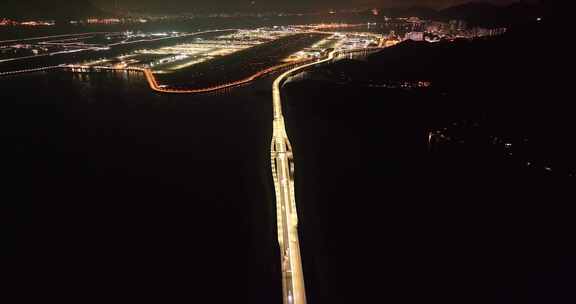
{"x": 282, "y": 162}
{"x": 155, "y": 86}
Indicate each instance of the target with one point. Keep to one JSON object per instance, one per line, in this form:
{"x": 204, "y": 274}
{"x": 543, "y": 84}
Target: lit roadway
{"x": 281, "y": 160}
{"x": 153, "y": 82}
{"x": 283, "y": 172}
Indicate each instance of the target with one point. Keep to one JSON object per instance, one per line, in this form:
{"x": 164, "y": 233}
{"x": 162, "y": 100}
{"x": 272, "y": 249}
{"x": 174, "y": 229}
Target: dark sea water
{"x": 383, "y": 220}
{"x": 166, "y": 197}
{"x": 106, "y": 182}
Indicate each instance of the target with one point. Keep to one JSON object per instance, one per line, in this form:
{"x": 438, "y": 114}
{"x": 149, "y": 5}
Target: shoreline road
{"x": 282, "y": 162}
{"x": 293, "y": 289}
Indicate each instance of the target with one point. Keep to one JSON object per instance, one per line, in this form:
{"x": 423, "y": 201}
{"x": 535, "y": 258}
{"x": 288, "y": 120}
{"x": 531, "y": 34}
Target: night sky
{"x": 279, "y": 4}
{"x": 31, "y": 8}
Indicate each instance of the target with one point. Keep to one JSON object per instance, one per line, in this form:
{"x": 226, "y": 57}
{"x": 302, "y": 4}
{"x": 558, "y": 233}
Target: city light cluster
{"x": 28, "y": 23}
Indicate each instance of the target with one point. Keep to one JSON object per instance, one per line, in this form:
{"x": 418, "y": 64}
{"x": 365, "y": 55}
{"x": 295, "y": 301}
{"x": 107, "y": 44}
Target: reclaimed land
{"x": 239, "y": 65}
{"x": 117, "y": 50}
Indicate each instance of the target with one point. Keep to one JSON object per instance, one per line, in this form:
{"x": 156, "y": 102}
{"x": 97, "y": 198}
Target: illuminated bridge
{"x": 282, "y": 162}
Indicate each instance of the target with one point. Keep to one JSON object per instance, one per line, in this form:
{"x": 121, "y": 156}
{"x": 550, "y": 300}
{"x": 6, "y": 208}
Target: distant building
{"x": 103, "y": 21}
{"x": 415, "y": 36}
{"x": 435, "y": 27}
{"x": 7, "y": 22}
{"x": 457, "y": 25}
{"x": 497, "y": 31}
{"x": 482, "y": 32}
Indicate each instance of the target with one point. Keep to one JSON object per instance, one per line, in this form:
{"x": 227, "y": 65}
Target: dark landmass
{"x": 384, "y": 215}
{"x": 488, "y": 15}
{"x": 416, "y": 11}
{"x": 510, "y": 78}
{"x": 474, "y": 13}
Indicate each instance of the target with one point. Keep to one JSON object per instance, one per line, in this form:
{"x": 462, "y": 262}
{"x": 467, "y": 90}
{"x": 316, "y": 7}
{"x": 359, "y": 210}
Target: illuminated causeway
{"x": 282, "y": 161}
{"x": 293, "y": 289}
{"x": 180, "y": 56}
